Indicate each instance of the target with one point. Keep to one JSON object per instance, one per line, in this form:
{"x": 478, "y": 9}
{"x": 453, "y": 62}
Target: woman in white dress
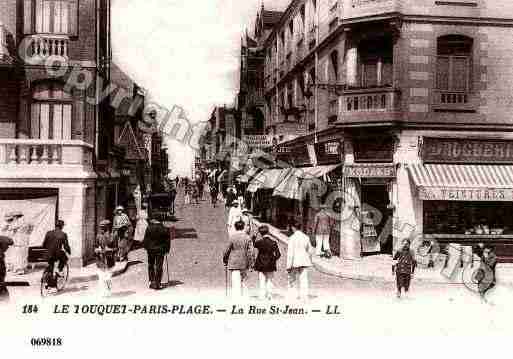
{"x": 142, "y": 223}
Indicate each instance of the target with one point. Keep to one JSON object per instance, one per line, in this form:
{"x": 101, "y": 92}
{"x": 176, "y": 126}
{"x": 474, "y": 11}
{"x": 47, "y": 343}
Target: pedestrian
{"x": 187, "y": 194}
{"x": 265, "y": 263}
{"x": 214, "y": 192}
{"x": 120, "y": 234}
{"x": 16, "y": 229}
{"x": 249, "y": 224}
{"x": 404, "y": 268}
{"x": 485, "y": 274}
{"x": 157, "y": 244}
{"x": 238, "y": 257}
{"x": 298, "y": 262}
{"x": 324, "y": 225}
{"x": 234, "y": 215}
{"x": 5, "y": 242}
{"x": 231, "y": 196}
{"x": 57, "y": 245}
{"x": 105, "y": 257}
{"x": 141, "y": 224}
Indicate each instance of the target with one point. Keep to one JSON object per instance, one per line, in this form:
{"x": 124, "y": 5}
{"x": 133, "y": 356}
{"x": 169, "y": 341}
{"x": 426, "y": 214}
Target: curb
{"x": 325, "y": 269}
{"x": 94, "y": 277}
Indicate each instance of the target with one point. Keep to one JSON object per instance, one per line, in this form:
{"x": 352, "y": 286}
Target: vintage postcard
{"x": 262, "y": 178}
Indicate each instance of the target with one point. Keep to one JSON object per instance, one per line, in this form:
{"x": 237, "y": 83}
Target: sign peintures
{"x": 370, "y": 171}
{"x": 257, "y": 141}
{"x": 441, "y": 150}
{"x": 465, "y": 194}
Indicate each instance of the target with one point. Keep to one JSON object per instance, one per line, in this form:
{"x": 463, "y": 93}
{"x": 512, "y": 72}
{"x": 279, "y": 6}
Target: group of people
{"x": 251, "y": 248}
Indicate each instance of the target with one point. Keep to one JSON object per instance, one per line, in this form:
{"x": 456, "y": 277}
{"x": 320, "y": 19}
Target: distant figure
{"x": 120, "y": 229}
{"x": 214, "y": 192}
{"x": 141, "y": 224}
{"x": 404, "y": 267}
{"x": 298, "y": 262}
{"x": 324, "y": 225}
{"x": 234, "y": 215}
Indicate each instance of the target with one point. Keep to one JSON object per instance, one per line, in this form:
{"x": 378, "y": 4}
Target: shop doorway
{"x": 375, "y": 200}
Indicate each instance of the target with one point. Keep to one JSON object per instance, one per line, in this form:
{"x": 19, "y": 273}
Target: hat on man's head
{"x": 17, "y": 214}
{"x": 9, "y": 215}
{"x": 119, "y": 208}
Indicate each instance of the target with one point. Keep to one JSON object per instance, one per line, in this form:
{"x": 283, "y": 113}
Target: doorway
{"x": 375, "y": 199}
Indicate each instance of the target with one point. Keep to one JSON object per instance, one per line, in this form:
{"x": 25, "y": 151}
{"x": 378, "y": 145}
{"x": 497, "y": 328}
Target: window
{"x": 50, "y": 112}
{"x": 334, "y": 67}
{"x": 454, "y": 54}
{"x": 51, "y": 17}
{"x": 376, "y": 62}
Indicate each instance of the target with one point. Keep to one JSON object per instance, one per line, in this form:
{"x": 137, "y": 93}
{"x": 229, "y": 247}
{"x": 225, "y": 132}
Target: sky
{"x": 185, "y": 53}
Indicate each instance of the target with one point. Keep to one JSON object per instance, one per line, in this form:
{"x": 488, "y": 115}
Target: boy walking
{"x": 404, "y": 267}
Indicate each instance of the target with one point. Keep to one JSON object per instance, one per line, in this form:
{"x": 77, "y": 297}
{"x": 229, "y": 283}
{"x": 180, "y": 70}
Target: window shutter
{"x": 28, "y": 17}
{"x": 73, "y": 17}
{"x": 77, "y": 120}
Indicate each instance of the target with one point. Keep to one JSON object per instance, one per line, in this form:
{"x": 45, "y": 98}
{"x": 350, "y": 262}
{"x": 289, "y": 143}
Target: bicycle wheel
{"x": 62, "y": 280}
{"x": 45, "y": 288}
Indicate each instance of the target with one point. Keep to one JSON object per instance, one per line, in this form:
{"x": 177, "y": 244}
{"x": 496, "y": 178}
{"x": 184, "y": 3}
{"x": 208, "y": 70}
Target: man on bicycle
{"x": 56, "y": 243}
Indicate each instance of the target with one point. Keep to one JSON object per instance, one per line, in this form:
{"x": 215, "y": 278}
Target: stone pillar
{"x": 352, "y": 66}
{"x": 350, "y": 241}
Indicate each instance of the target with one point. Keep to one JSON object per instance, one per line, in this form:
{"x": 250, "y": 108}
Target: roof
{"x": 129, "y": 141}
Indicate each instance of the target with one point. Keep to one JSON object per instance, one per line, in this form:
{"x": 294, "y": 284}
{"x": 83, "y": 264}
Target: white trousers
{"x": 323, "y": 240}
{"x": 298, "y": 283}
{"x": 104, "y": 282}
{"x": 266, "y": 284}
{"x": 238, "y": 285}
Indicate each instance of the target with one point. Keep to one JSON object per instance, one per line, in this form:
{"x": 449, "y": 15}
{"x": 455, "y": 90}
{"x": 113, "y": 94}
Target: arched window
{"x": 51, "y": 112}
{"x": 454, "y": 61}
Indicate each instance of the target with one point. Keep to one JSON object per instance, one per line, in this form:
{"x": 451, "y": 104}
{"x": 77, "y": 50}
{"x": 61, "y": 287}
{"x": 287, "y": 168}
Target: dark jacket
{"x": 406, "y": 262}
{"x": 268, "y": 254}
{"x": 55, "y": 241}
{"x": 157, "y": 239}
{"x": 5, "y": 242}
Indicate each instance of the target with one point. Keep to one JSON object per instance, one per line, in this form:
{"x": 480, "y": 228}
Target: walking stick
{"x": 226, "y": 280}
{"x": 167, "y": 267}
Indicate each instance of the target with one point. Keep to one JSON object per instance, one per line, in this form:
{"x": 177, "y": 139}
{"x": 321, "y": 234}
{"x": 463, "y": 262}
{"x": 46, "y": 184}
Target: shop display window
{"x": 470, "y": 218}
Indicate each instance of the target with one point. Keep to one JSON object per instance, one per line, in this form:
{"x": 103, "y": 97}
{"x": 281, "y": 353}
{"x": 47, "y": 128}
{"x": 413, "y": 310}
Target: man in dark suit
{"x": 55, "y": 243}
{"x": 157, "y": 244}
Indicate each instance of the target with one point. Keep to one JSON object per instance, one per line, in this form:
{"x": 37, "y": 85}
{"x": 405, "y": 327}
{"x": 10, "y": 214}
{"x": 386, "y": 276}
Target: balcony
{"x": 41, "y": 47}
{"x": 363, "y": 8}
{"x": 371, "y": 100}
{"x": 454, "y": 101}
{"x": 45, "y": 158}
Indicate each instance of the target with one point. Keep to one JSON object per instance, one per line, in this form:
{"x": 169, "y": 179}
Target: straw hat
{"x": 120, "y": 208}
{"x": 104, "y": 223}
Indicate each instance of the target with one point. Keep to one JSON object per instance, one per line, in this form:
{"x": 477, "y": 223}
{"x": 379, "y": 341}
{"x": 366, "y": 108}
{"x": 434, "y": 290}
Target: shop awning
{"x": 290, "y": 187}
{"x": 268, "y": 179}
{"x": 463, "y": 182}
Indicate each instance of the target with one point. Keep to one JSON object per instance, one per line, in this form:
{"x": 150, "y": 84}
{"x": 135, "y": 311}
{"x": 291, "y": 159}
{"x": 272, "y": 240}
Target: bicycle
{"x": 53, "y": 282}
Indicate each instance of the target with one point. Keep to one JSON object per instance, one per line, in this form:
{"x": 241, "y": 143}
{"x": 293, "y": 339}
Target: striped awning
{"x": 296, "y": 182}
{"x": 268, "y": 179}
{"x": 463, "y": 182}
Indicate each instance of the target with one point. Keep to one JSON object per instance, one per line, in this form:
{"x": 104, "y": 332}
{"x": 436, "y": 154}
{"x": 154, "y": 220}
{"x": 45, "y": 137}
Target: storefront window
{"x": 458, "y": 217}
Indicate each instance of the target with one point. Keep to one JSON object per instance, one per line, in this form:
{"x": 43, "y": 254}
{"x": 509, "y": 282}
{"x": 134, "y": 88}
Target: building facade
{"x": 412, "y": 100}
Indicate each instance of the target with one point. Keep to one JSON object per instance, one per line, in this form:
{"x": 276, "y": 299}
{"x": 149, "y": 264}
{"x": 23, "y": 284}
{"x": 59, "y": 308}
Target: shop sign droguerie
{"x": 438, "y": 150}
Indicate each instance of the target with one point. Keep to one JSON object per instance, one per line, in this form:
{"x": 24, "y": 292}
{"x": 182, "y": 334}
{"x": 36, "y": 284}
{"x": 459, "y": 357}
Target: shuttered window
{"x": 454, "y": 54}
{"x": 51, "y": 17}
{"x": 51, "y": 112}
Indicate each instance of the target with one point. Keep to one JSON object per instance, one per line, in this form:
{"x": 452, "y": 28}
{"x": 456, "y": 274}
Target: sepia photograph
{"x": 264, "y": 173}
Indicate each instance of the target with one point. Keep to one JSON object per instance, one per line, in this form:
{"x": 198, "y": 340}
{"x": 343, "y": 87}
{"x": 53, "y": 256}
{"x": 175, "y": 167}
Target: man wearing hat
{"x": 57, "y": 245}
{"x": 120, "y": 229}
{"x": 157, "y": 244}
{"x": 105, "y": 257}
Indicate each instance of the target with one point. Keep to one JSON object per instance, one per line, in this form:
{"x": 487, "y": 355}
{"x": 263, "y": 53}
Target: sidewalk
{"x": 378, "y": 268}
{"x": 76, "y": 275}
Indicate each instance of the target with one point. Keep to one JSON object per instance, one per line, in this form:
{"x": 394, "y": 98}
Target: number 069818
{"x": 46, "y": 342}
